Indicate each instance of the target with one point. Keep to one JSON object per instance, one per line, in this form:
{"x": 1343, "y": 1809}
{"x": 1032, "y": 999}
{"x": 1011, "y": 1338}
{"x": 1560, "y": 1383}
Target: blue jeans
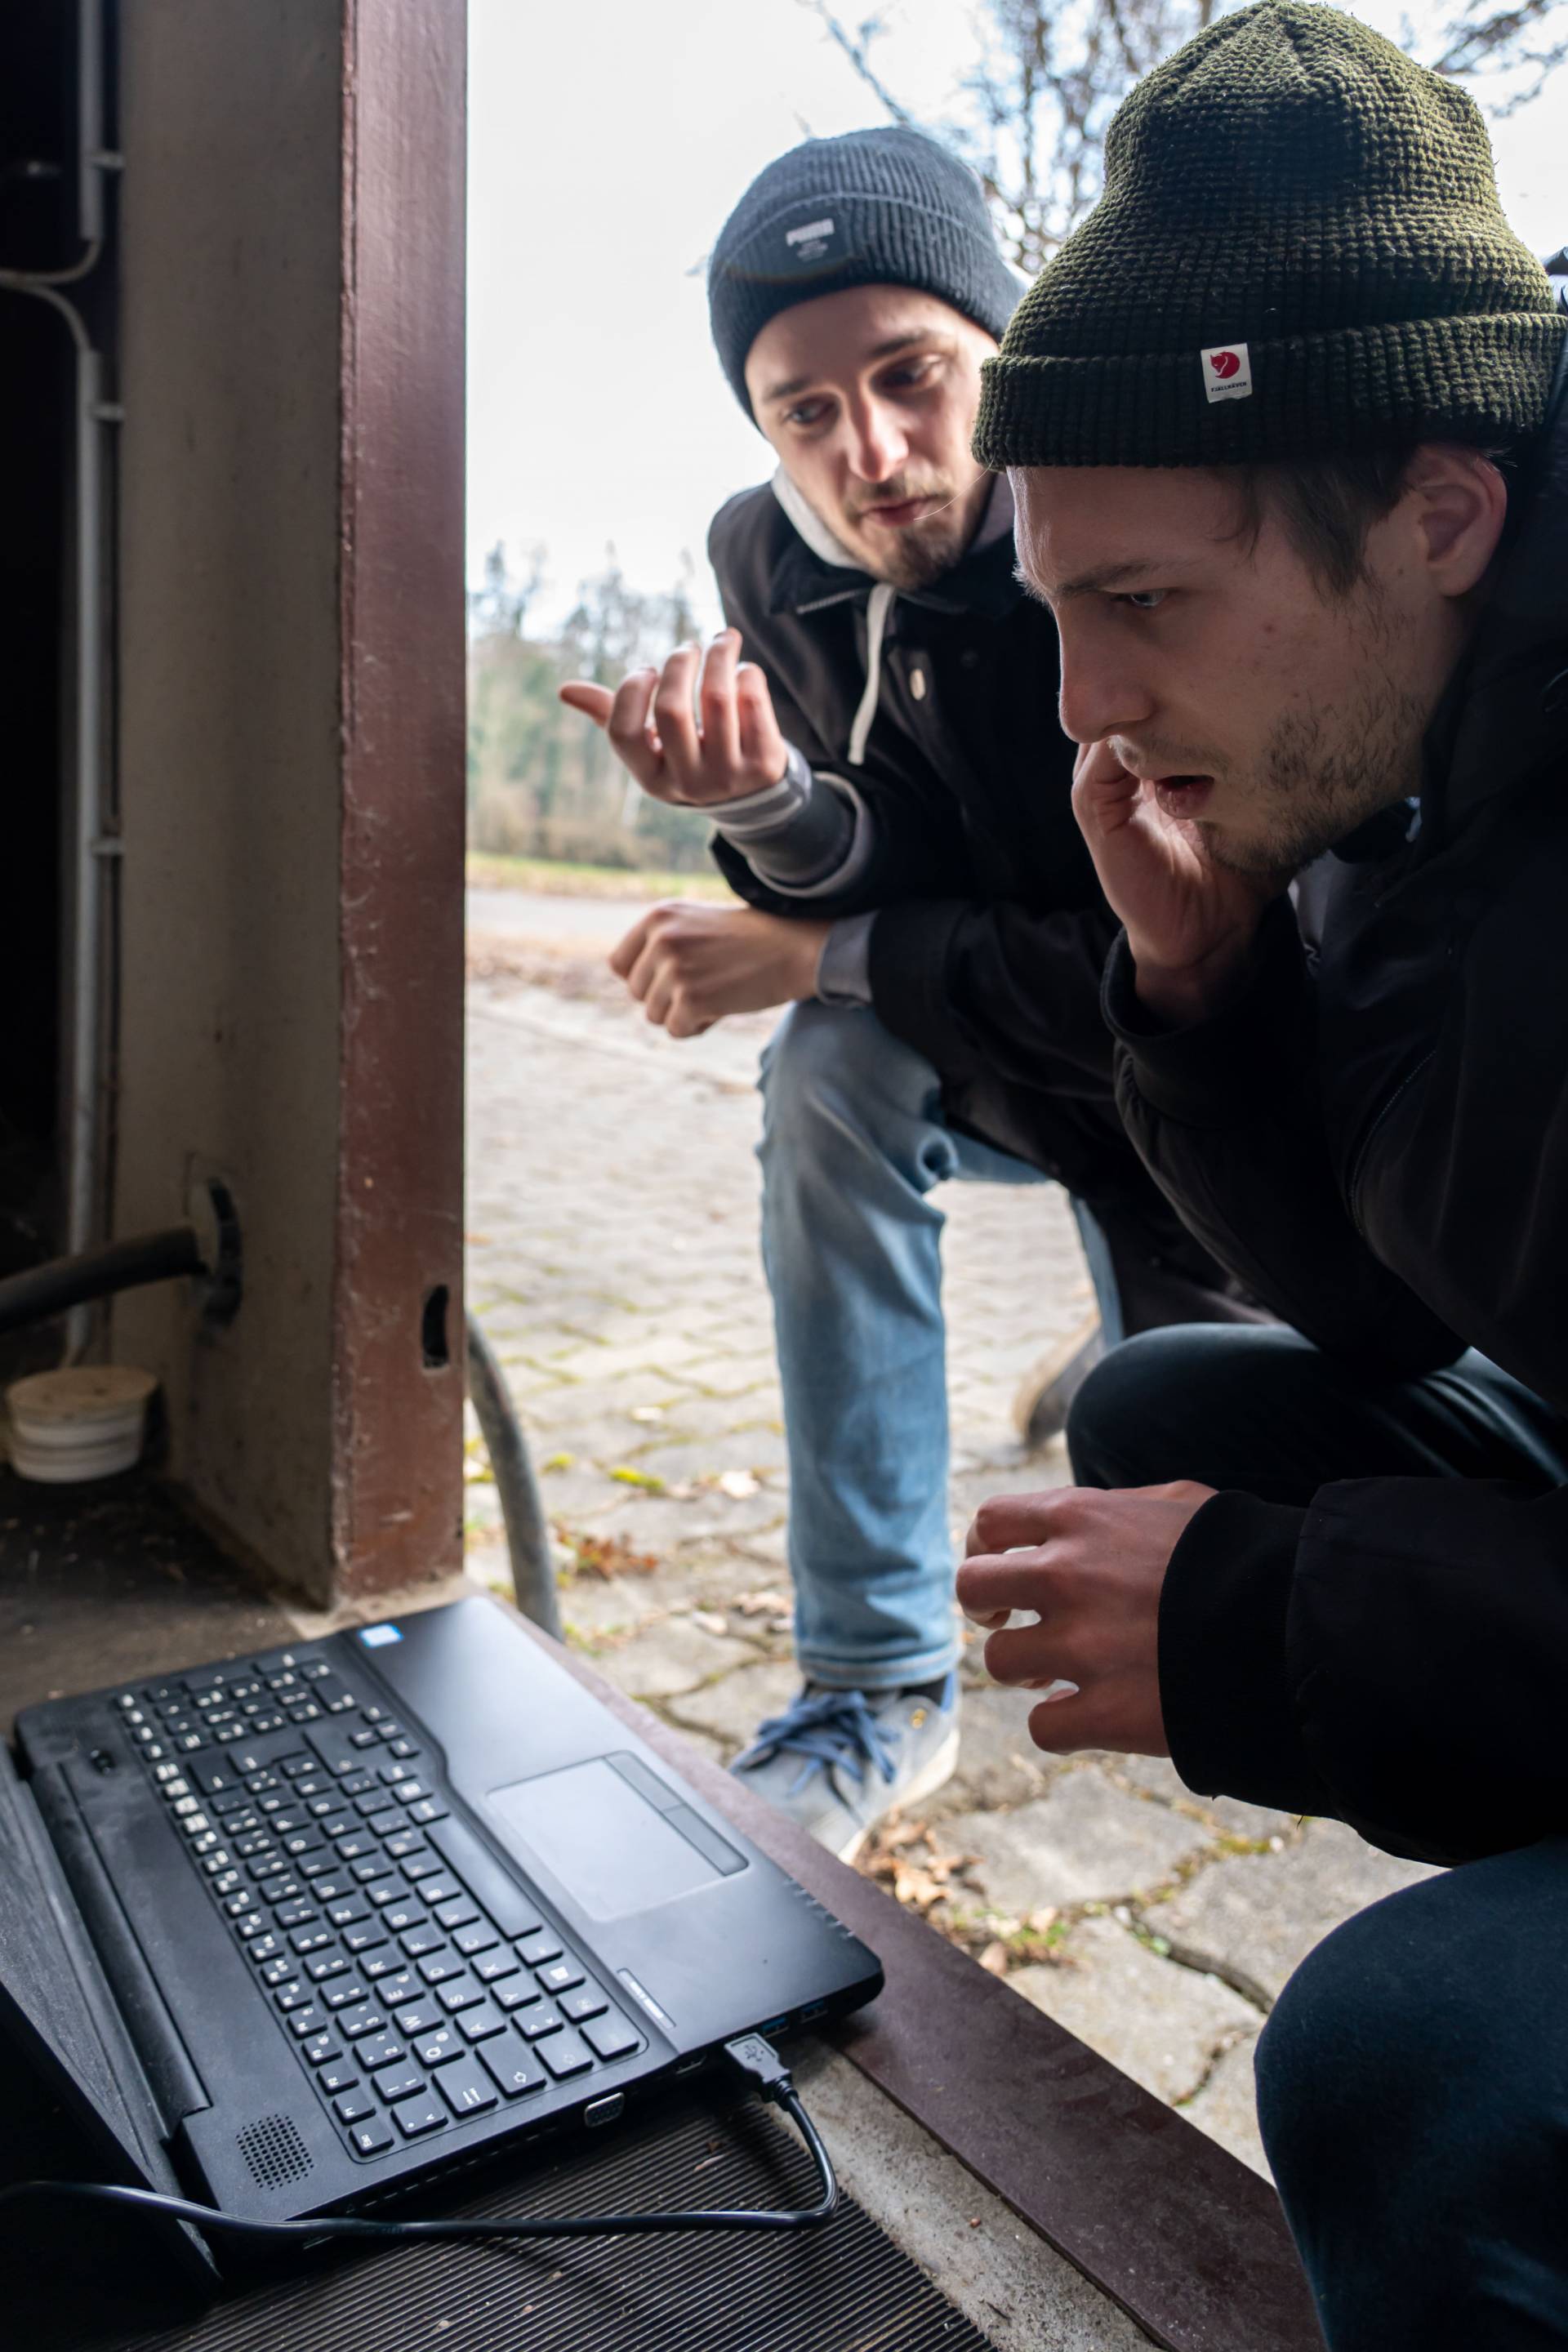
{"x": 853, "y": 1147}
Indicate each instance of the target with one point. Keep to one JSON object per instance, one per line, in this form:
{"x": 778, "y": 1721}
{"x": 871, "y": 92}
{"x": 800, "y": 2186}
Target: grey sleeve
{"x": 803, "y": 837}
{"x": 843, "y": 967}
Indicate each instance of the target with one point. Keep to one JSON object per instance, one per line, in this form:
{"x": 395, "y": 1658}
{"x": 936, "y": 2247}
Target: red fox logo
{"x": 1227, "y": 371}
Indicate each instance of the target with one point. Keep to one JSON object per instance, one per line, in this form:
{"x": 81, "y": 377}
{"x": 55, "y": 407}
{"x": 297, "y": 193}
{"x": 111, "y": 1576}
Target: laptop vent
{"x": 274, "y": 2151}
{"x": 812, "y": 1903}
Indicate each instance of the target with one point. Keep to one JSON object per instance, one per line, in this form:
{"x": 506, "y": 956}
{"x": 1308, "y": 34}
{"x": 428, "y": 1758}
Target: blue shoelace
{"x": 827, "y": 1728}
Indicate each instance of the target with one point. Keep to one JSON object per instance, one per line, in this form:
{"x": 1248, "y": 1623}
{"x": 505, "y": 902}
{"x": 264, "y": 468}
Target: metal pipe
{"x": 89, "y": 152}
{"x": 93, "y": 160}
{"x": 84, "y": 1123}
{"x": 84, "y": 1119}
{"x": 527, "y": 1534}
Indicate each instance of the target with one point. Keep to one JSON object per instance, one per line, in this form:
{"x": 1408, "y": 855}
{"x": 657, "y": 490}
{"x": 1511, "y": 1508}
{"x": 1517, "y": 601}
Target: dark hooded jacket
{"x": 1374, "y": 1136}
{"x": 990, "y": 932}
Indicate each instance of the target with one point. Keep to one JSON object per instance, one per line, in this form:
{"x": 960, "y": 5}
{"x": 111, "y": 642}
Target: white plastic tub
{"x": 86, "y": 1423}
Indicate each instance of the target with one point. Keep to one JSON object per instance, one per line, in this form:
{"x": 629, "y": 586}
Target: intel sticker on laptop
{"x": 376, "y": 1637}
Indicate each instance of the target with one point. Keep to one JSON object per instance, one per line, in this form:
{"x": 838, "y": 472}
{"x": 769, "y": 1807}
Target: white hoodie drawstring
{"x": 879, "y": 605}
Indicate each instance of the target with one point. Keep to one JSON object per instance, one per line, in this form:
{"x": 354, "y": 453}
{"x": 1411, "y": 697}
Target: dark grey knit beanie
{"x": 873, "y": 208}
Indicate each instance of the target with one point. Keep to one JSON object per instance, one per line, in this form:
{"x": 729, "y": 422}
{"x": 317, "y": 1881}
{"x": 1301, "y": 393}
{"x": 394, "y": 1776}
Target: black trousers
{"x": 1413, "y": 2079}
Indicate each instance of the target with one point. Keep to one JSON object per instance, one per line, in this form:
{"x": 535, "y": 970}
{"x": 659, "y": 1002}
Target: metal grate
{"x": 845, "y": 2288}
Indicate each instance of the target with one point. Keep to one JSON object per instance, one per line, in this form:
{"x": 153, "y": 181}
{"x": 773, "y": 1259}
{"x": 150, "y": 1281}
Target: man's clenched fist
{"x": 689, "y": 965}
{"x": 698, "y": 732}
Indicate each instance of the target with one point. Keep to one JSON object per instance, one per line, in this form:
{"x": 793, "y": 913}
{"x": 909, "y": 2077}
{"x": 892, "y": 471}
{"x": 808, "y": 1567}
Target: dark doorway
{"x": 38, "y": 235}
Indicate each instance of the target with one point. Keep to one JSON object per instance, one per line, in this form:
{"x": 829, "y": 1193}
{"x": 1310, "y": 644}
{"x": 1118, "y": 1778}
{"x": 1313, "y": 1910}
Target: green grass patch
{"x": 557, "y": 879}
{"x": 1036, "y": 1943}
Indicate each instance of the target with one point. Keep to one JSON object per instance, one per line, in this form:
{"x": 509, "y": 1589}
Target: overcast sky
{"x": 608, "y": 140}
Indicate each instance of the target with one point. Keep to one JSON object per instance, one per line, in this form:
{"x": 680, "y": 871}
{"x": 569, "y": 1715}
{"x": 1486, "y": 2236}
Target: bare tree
{"x": 1032, "y": 112}
{"x": 1511, "y": 48}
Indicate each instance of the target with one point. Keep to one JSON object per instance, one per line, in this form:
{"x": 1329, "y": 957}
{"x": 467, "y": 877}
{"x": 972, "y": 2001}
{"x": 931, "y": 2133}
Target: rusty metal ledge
{"x": 1162, "y": 2219}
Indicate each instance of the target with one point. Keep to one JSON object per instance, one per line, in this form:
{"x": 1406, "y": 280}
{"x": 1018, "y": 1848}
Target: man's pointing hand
{"x": 697, "y": 733}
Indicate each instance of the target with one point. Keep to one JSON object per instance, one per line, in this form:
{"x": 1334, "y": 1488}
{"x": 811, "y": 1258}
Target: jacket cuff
{"x": 1225, "y": 1686}
{"x": 910, "y": 944}
{"x": 1212, "y": 1072}
{"x": 843, "y": 967}
{"x": 797, "y": 835}
{"x": 756, "y": 814}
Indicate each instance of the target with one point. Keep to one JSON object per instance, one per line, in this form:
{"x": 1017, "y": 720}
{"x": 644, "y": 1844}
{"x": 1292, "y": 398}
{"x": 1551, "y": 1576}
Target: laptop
{"x": 290, "y": 1932}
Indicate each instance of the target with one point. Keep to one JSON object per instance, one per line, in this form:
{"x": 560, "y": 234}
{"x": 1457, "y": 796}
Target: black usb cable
{"x": 751, "y": 2056}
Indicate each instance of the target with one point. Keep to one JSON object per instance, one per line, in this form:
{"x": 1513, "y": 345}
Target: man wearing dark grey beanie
{"x": 892, "y": 797}
{"x": 1287, "y": 424}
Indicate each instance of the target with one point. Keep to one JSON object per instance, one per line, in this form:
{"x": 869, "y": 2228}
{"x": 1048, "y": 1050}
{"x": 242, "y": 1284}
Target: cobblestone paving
{"x": 613, "y": 1260}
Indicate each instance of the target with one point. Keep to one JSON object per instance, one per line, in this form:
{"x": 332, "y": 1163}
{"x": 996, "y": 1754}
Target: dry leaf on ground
{"x": 919, "y": 1879}
{"x": 606, "y": 1556}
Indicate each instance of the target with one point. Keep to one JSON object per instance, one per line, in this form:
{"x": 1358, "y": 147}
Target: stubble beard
{"x": 925, "y": 551}
{"x": 922, "y": 551}
{"x": 1324, "y": 772}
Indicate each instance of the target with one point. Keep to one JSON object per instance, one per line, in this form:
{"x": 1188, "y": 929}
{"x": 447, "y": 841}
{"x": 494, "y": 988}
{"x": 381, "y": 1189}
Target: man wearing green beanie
{"x": 1287, "y": 427}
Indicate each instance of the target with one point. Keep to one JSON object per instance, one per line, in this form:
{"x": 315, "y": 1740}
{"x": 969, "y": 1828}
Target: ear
{"x": 1455, "y": 502}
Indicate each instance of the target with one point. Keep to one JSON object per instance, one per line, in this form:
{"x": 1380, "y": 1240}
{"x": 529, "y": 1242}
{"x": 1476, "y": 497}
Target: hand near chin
{"x": 1090, "y": 1566}
{"x": 1189, "y": 922}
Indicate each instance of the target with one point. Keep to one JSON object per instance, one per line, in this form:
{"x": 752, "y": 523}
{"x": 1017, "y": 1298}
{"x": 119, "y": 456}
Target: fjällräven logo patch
{"x": 1227, "y": 371}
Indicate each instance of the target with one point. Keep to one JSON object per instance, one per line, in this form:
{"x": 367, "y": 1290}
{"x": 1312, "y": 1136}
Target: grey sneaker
{"x": 836, "y": 1761}
{"x": 1047, "y": 1387}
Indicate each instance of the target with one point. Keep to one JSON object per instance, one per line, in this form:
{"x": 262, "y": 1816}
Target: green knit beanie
{"x": 1300, "y": 249}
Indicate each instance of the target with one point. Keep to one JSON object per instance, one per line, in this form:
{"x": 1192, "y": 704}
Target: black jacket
{"x": 1375, "y": 1137}
{"x": 991, "y": 933}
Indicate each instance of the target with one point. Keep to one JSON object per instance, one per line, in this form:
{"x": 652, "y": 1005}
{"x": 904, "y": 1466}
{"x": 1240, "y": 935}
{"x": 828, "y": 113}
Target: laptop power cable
{"x": 753, "y": 2057}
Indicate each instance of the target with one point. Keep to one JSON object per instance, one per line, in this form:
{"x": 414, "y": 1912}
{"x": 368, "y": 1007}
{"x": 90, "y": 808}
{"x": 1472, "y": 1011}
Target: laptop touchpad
{"x": 612, "y": 1849}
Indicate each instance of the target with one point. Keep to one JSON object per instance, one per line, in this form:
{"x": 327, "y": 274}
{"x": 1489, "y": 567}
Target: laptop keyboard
{"x": 419, "y": 1982}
